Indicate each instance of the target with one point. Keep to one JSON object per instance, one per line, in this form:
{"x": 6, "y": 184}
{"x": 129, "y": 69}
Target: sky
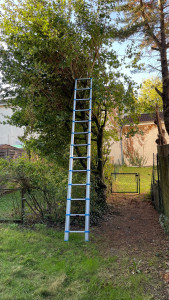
{"x": 150, "y": 59}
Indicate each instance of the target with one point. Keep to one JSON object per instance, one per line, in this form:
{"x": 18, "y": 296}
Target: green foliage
{"x": 50, "y": 44}
{"x": 44, "y": 187}
{"x": 45, "y": 45}
{"x": 148, "y": 97}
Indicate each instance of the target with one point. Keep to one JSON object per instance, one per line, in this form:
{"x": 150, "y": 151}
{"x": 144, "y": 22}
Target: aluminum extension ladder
{"x": 88, "y": 100}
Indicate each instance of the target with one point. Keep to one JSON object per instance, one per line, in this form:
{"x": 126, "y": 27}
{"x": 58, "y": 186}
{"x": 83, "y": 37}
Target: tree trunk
{"x": 100, "y": 154}
{"x": 164, "y": 68}
{"x": 99, "y": 176}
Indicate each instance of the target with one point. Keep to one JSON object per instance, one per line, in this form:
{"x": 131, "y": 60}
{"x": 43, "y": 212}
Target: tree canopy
{"x": 148, "y": 20}
{"x": 45, "y": 45}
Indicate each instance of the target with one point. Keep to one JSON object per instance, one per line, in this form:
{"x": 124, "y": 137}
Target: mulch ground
{"x": 132, "y": 228}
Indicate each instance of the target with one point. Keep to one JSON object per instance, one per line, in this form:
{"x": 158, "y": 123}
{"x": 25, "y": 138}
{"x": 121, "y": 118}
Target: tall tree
{"x": 45, "y": 46}
{"x": 150, "y": 18}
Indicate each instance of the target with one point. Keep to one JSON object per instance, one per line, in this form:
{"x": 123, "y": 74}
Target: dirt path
{"x": 132, "y": 229}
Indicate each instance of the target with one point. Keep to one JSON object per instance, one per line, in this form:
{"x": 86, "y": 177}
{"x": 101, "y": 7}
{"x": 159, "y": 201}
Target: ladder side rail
{"x": 87, "y": 209}
{"x": 69, "y": 191}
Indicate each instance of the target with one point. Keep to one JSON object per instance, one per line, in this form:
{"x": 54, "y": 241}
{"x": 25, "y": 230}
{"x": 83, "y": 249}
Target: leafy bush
{"x": 44, "y": 186}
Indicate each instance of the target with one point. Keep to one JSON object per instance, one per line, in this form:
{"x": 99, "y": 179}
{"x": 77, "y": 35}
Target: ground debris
{"x": 132, "y": 231}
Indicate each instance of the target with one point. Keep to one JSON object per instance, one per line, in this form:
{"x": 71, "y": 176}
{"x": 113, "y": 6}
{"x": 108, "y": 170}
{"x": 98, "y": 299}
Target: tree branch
{"x": 94, "y": 118}
{"x": 156, "y": 49}
{"x": 149, "y": 30}
{"x": 105, "y": 118}
{"x": 160, "y": 93}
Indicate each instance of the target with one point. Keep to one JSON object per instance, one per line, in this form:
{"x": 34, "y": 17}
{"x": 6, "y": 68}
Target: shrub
{"x": 44, "y": 186}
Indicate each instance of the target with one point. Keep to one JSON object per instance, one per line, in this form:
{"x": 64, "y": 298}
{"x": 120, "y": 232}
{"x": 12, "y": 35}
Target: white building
{"x": 9, "y": 134}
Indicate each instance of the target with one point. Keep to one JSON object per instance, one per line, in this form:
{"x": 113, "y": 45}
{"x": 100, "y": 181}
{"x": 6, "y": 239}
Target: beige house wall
{"x": 115, "y": 153}
{"x": 144, "y": 145}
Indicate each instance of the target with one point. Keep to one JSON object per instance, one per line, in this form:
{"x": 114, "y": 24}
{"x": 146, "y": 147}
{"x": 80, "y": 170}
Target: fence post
{"x": 22, "y": 207}
{"x": 153, "y": 168}
{"x": 139, "y": 183}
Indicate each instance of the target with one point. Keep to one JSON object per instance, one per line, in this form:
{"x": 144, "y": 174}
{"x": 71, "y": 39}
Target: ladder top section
{"x": 83, "y": 78}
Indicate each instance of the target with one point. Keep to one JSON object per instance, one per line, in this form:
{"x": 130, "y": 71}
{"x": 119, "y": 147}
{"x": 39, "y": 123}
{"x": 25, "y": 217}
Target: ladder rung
{"x": 79, "y": 199}
{"x": 77, "y": 145}
{"x": 83, "y": 89}
{"x": 78, "y": 215}
{"x": 84, "y": 109}
{"x": 82, "y": 121}
{"x": 79, "y": 170}
{"x": 76, "y": 157}
{"x": 76, "y": 231}
{"x": 78, "y": 184}
{"x": 85, "y": 132}
{"x": 85, "y": 99}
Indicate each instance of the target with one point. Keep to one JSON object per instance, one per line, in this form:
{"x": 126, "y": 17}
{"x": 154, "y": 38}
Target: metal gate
{"x": 125, "y": 183}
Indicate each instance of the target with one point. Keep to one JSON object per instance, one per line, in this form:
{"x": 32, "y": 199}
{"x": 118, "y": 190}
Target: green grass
{"x": 10, "y": 205}
{"x": 128, "y": 183}
{"x": 38, "y": 264}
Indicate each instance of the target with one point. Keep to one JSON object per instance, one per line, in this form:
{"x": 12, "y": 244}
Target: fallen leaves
{"x": 165, "y": 276}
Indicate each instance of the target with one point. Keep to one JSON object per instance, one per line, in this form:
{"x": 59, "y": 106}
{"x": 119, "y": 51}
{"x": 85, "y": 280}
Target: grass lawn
{"x": 38, "y": 264}
{"x": 10, "y": 205}
{"x": 128, "y": 183}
